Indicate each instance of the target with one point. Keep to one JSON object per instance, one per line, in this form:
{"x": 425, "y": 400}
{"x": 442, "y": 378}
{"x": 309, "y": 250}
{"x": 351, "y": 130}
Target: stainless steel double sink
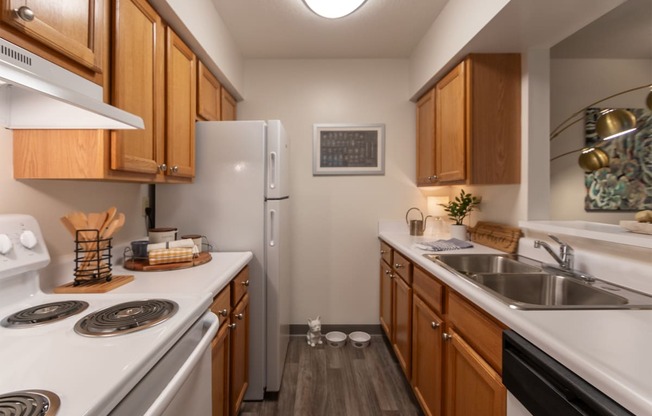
{"x": 523, "y": 283}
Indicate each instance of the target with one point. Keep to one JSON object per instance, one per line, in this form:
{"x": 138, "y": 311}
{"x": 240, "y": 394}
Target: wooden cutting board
{"x": 95, "y": 286}
{"x": 144, "y": 266}
{"x": 499, "y": 236}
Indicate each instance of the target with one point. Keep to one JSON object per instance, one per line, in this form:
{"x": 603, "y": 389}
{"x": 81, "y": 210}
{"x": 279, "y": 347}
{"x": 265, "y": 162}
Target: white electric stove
{"x": 73, "y": 366}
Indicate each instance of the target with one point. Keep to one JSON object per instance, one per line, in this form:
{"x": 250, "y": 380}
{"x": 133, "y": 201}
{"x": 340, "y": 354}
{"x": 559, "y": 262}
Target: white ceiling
{"x": 623, "y": 33}
{"x": 288, "y": 29}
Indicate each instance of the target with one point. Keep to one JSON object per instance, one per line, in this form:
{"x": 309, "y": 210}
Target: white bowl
{"x": 336, "y": 339}
{"x": 359, "y": 339}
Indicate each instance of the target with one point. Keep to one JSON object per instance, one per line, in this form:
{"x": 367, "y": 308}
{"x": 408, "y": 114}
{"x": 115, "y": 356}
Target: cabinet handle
{"x": 432, "y": 178}
{"x": 24, "y": 13}
{"x": 398, "y": 265}
{"x": 240, "y": 316}
{"x": 175, "y": 169}
{"x": 382, "y": 252}
{"x": 434, "y": 325}
{"x": 245, "y": 283}
{"x": 446, "y": 337}
{"x": 223, "y": 312}
{"x": 233, "y": 325}
{"x": 387, "y": 272}
{"x": 163, "y": 167}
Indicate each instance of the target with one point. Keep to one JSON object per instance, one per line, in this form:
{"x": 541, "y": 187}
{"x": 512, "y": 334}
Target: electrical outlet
{"x": 144, "y": 206}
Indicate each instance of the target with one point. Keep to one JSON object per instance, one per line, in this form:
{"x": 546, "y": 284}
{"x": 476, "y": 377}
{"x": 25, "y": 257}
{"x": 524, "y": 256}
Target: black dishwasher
{"x": 547, "y": 388}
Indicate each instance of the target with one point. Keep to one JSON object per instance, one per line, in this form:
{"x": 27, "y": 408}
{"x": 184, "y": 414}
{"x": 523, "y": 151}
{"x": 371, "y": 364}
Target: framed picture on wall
{"x": 348, "y": 149}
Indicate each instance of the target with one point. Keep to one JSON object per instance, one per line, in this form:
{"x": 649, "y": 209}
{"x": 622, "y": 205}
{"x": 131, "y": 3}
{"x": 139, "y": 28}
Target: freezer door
{"x": 278, "y": 161}
{"x": 277, "y": 223}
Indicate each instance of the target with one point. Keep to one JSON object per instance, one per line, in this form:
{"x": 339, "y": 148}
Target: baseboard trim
{"x": 371, "y": 329}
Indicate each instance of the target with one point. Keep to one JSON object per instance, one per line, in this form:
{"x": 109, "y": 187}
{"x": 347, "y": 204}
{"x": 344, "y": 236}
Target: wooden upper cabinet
{"x": 229, "y": 105}
{"x": 208, "y": 95}
{"x": 477, "y": 124}
{"x": 180, "y": 109}
{"x": 450, "y": 126}
{"x": 426, "y": 139}
{"x": 138, "y": 86}
{"x": 73, "y": 28}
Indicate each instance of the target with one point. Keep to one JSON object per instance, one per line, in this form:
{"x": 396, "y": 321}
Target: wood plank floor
{"x": 347, "y": 381}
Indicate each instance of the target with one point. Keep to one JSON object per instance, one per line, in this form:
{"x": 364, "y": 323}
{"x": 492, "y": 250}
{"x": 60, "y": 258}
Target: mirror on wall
{"x": 610, "y": 55}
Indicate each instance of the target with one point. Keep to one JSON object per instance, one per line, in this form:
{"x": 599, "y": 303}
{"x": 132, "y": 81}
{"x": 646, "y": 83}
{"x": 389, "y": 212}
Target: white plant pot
{"x": 458, "y": 231}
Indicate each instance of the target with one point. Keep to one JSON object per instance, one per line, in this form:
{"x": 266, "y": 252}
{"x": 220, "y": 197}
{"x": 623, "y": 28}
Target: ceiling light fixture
{"x": 334, "y": 9}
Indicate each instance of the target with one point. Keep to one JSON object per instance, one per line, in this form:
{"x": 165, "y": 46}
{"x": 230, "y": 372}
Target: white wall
{"x": 576, "y": 83}
{"x": 334, "y": 238}
{"x": 48, "y": 201}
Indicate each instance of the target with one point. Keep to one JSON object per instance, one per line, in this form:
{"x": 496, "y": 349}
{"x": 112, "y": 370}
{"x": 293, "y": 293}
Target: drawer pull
{"x": 240, "y": 316}
{"x": 245, "y": 283}
{"x": 446, "y": 337}
{"x": 233, "y": 325}
{"x": 434, "y": 325}
{"x": 223, "y": 312}
{"x": 24, "y": 13}
{"x": 382, "y": 252}
{"x": 398, "y": 265}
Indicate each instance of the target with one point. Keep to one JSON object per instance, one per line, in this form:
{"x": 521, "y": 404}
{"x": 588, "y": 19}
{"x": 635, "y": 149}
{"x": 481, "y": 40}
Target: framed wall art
{"x": 348, "y": 149}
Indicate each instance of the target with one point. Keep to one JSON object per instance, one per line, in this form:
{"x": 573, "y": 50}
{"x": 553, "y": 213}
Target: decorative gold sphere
{"x": 614, "y": 123}
{"x": 592, "y": 159}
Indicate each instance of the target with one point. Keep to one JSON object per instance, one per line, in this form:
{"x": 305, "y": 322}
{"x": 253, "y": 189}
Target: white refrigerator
{"x": 240, "y": 201}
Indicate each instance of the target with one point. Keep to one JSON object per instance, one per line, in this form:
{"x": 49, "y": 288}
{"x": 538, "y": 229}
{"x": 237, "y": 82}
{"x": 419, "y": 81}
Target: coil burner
{"x": 44, "y": 314}
{"x": 29, "y": 403}
{"x": 126, "y": 317}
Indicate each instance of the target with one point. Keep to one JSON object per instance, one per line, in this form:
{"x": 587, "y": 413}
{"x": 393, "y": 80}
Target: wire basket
{"x": 92, "y": 257}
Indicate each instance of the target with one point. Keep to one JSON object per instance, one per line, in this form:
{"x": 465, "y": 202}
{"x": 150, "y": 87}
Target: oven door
{"x": 180, "y": 383}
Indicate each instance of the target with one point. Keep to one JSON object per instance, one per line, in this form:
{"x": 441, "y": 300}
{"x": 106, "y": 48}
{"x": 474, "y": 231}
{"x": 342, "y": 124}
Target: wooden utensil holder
{"x": 92, "y": 256}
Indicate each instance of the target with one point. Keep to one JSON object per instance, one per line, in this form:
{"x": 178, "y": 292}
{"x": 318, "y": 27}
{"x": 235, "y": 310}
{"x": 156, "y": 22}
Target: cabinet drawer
{"x": 222, "y": 304}
{"x": 402, "y": 267}
{"x": 428, "y": 289}
{"x": 386, "y": 252}
{"x": 239, "y": 286}
{"x": 481, "y": 332}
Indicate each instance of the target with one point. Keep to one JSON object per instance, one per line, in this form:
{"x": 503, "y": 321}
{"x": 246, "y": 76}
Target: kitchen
{"x": 344, "y": 90}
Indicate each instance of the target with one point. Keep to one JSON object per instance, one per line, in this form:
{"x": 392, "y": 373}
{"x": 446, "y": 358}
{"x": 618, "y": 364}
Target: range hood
{"x": 37, "y": 94}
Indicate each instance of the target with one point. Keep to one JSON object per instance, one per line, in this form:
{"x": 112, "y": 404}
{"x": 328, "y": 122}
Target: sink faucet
{"x": 565, "y": 257}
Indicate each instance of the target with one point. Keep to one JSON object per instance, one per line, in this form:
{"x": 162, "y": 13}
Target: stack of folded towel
{"x": 442, "y": 245}
{"x": 172, "y": 251}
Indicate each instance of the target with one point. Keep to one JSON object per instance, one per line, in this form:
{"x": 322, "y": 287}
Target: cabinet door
{"x": 386, "y": 298}
{"x": 472, "y": 386}
{"x": 138, "y": 86}
{"x": 426, "y": 172}
{"x": 402, "y": 340}
{"x": 72, "y": 27}
{"x": 427, "y": 357}
{"x": 180, "y": 109}
{"x": 208, "y": 94}
{"x": 220, "y": 371}
{"x": 239, "y": 354}
{"x": 229, "y": 105}
{"x": 450, "y": 126}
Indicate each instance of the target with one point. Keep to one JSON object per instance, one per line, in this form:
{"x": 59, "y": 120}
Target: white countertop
{"x": 209, "y": 277}
{"x": 611, "y": 349}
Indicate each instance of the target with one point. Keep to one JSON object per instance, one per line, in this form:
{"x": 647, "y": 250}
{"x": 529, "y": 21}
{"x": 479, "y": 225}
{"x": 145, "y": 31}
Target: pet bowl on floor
{"x": 359, "y": 339}
{"x": 336, "y": 339}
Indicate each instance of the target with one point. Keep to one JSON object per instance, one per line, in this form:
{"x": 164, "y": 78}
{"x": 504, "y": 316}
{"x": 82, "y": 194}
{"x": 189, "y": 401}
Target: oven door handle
{"x": 167, "y": 395}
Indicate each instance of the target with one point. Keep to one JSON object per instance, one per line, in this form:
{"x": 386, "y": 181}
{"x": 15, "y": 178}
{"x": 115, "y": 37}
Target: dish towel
{"x": 185, "y": 243}
{"x": 442, "y": 245}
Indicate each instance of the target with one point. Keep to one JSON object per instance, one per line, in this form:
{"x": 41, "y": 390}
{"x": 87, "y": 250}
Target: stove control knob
{"x": 5, "y": 244}
{"x": 28, "y": 239}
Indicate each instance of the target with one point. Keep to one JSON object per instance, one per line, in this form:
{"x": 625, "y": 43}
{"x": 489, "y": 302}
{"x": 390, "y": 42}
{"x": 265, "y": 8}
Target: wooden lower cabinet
{"x": 220, "y": 371}
{"x": 239, "y": 354}
{"x": 473, "y": 387}
{"x": 427, "y": 356}
{"x": 386, "y": 298}
{"x": 449, "y": 349}
{"x": 402, "y": 340}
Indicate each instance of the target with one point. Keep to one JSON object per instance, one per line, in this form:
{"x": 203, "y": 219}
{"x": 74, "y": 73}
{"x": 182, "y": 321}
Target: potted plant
{"x": 457, "y": 210}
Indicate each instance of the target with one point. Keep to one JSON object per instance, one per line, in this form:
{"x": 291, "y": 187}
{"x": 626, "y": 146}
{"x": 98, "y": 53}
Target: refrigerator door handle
{"x": 272, "y": 170}
{"x": 272, "y": 218}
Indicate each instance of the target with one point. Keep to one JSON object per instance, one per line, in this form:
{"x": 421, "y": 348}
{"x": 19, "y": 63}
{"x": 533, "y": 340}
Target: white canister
{"x": 197, "y": 239}
{"x": 162, "y": 235}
